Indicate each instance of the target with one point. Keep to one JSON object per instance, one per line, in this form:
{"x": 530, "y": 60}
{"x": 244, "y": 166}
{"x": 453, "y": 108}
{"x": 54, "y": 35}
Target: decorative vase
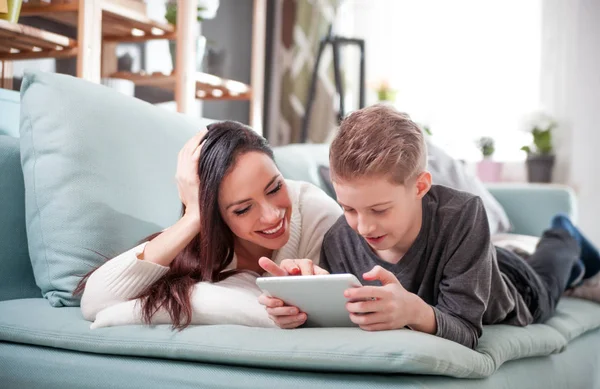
{"x": 13, "y": 8}
{"x": 539, "y": 168}
{"x": 489, "y": 170}
{"x": 200, "y": 49}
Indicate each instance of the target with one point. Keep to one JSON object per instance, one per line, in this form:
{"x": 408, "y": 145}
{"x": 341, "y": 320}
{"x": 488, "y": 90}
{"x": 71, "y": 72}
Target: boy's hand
{"x": 389, "y": 306}
{"x": 286, "y": 316}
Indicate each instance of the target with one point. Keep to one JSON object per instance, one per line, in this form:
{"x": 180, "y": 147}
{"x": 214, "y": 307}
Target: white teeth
{"x": 274, "y": 230}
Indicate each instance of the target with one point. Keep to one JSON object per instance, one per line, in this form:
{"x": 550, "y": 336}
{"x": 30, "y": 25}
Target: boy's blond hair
{"x": 378, "y": 141}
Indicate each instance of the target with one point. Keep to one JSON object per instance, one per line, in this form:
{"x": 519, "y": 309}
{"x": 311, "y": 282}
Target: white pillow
{"x": 449, "y": 172}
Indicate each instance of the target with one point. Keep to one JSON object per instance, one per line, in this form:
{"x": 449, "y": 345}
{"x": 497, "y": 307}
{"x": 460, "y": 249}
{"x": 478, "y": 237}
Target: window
{"x": 465, "y": 68}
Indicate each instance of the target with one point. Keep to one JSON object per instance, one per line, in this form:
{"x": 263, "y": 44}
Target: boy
{"x": 424, "y": 251}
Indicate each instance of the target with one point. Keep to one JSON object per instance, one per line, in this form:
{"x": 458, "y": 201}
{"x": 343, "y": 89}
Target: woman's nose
{"x": 271, "y": 214}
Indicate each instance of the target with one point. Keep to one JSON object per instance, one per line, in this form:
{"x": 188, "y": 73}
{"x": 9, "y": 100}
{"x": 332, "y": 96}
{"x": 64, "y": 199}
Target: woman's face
{"x": 254, "y": 201}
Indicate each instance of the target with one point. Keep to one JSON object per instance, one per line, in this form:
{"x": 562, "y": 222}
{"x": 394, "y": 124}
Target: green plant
{"x": 427, "y": 130}
{"x": 486, "y": 145}
{"x": 171, "y": 13}
{"x": 542, "y": 139}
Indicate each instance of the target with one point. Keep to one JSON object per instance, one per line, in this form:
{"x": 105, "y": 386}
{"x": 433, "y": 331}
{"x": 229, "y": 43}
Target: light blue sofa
{"x": 46, "y": 347}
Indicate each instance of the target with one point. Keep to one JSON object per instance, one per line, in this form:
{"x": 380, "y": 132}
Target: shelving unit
{"x": 102, "y": 24}
{"x": 24, "y": 42}
{"x": 208, "y": 87}
{"x": 119, "y": 23}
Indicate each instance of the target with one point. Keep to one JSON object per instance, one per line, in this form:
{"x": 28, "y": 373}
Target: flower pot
{"x": 539, "y": 168}
{"x": 200, "y": 49}
{"x": 14, "y": 9}
{"x": 489, "y": 170}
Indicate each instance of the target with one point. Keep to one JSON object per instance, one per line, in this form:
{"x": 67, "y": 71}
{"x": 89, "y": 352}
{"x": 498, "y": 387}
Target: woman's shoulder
{"x": 310, "y": 200}
{"x": 301, "y": 191}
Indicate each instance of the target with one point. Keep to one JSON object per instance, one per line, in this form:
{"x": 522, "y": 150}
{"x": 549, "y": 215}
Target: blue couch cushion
{"x": 16, "y": 276}
{"x": 9, "y": 112}
{"x": 33, "y": 321}
{"x": 99, "y": 174}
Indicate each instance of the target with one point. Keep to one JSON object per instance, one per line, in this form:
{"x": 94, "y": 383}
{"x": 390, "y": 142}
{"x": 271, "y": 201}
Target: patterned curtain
{"x": 298, "y": 28}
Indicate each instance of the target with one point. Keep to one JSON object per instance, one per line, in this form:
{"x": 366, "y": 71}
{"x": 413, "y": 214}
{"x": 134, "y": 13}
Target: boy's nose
{"x": 364, "y": 227}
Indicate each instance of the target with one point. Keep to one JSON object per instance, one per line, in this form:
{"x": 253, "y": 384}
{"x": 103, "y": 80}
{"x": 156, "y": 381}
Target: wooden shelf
{"x": 208, "y": 87}
{"x": 24, "y": 42}
{"x": 119, "y": 22}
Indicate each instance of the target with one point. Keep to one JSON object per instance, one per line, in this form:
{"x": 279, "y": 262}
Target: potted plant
{"x": 207, "y": 10}
{"x": 488, "y": 170}
{"x": 385, "y": 92}
{"x": 10, "y": 10}
{"x": 540, "y": 155}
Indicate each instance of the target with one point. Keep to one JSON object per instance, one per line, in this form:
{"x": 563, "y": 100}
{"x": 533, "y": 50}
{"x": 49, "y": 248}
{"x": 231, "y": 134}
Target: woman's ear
{"x": 423, "y": 184}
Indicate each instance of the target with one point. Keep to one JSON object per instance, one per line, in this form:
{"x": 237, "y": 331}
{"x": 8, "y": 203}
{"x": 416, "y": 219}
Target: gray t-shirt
{"x": 452, "y": 265}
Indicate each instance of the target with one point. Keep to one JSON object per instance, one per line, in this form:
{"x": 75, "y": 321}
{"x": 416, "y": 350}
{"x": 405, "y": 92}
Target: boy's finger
{"x": 365, "y": 293}
{"x": 378, "y": 273}
{"x": 271, "y": 267}
{"x": 368, "y": 306}
{"x": 376, "y": 327}
{"x": 368, "y": 319}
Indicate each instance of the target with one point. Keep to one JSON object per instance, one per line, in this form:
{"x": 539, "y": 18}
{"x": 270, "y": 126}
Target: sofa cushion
{"x": 9, "y": 109}
{"x": 449, "y": 172}
{"x": 33, "y": 321}
{"x": 16, "y": 276}
{"x": 99, "y": 175}
{"x": 301, "y": 161}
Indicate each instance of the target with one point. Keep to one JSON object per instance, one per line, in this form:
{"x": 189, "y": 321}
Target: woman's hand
{"x": 187, "y": 177}
{"x": 286, "y": 316}
{"x": 291, "y": 267}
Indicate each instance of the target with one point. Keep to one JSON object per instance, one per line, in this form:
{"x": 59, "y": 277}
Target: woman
{"x": 237, "y": 209}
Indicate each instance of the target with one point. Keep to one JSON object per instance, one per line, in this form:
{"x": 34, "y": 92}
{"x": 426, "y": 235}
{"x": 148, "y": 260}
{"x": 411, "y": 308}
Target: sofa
{"x": 85, "y": 172}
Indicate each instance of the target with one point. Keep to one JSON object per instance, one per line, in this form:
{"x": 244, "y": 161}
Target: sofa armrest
{"x": 530, "y": 207}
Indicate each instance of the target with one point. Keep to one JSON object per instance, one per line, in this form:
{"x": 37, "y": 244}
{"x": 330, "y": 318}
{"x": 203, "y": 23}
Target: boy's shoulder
{"x": 446, "y": 198}
{"x": 447, "y": 207}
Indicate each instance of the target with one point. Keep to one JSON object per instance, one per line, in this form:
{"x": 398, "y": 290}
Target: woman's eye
{"x": 348, "y": 210}
{"x": 240, "y": 212}
{"x": 379, "y": 211}
{"x": 277, "y": 188}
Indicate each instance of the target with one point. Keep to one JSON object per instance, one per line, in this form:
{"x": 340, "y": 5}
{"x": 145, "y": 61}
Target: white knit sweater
{"x": 107, "y": 298}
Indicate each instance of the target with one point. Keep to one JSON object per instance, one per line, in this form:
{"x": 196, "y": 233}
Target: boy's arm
{"x": 465, "y": 285}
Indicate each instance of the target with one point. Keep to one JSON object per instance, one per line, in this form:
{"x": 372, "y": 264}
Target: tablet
{"x": 320, "y": 297}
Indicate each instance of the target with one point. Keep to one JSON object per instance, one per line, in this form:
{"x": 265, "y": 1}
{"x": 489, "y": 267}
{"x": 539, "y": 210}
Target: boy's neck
{"x": 395, "y": 254}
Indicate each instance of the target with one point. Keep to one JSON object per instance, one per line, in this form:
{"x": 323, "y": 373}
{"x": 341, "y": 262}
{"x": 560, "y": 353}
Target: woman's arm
{"x": 126, "y": 276}
{"x": 165, "y": 247}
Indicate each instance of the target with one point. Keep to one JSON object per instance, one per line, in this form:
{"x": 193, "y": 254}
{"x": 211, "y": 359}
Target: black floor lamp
{"x": 336, "y": 43}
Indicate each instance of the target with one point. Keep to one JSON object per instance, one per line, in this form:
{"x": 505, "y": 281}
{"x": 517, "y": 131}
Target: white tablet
{"x": 320, "y": 297}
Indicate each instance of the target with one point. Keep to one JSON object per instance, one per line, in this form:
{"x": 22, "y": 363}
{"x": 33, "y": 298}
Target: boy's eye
{"x": 379, "y": 211}
{"x": 277, "y": 188}
{"x": 240, "y": 212}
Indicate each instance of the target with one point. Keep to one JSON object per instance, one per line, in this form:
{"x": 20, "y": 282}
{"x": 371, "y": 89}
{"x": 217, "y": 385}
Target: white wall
{"x": 570, "y": 84}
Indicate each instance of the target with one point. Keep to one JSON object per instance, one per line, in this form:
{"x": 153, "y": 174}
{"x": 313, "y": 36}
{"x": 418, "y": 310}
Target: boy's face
{"x": 386, "y": 214}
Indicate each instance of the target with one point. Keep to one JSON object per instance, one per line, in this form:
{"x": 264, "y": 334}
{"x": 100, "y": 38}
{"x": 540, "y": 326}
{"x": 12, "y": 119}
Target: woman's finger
{"x": 289, "y": 321}
{"x": 270, "y": 302}
{"x": 283, "y": 311}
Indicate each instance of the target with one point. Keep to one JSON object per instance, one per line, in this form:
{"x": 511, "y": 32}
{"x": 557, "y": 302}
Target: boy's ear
{"x": 423, "y": 184}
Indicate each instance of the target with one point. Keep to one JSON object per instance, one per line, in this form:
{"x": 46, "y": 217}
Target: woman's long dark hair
{"x": 208, "y": 254}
